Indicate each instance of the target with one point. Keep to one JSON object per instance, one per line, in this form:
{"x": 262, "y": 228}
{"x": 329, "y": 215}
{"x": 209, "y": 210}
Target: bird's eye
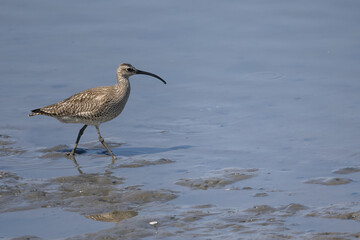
{"x": 129, "y": 69}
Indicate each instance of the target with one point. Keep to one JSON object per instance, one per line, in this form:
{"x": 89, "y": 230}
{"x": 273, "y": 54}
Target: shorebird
{"x": 96, "y": 105}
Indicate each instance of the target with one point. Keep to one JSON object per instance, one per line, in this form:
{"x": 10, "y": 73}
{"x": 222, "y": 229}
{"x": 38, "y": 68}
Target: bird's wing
{"x": 82, "y": 104}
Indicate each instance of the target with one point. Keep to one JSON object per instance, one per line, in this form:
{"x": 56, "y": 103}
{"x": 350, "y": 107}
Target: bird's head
{"x": 126, "y": 70}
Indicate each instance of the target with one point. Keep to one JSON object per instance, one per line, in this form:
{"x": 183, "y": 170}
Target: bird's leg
{"x": 72, "y": 153}
{"x": 104, "y": 144}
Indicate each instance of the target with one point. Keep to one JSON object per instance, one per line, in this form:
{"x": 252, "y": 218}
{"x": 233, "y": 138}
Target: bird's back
{"x": 91, "y": 107}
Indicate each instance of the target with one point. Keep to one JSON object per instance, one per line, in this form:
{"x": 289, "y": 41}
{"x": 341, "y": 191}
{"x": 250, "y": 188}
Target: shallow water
{"x": 255, "y": 136}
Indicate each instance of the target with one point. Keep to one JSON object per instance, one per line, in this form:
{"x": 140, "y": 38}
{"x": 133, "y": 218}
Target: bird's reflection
{"x": 61, "y": 150}
{"x": 77, "y": 166}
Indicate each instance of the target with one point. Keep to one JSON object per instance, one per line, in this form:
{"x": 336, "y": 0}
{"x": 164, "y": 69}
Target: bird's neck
{"x": 122, "y": 80}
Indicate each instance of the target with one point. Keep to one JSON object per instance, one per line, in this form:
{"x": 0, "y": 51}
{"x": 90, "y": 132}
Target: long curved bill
{"x": 150, "y": 74}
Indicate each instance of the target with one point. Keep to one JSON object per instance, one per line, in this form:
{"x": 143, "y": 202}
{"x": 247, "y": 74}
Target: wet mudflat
{"x": 255, "y": 136}
{"x": 105, "y": 205}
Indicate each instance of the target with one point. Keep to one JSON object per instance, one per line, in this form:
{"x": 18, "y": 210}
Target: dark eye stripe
{"x": 129, "y": 69}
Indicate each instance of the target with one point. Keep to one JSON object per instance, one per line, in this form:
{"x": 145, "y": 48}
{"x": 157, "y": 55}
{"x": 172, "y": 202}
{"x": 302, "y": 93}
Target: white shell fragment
{"x": 153, "y": 223}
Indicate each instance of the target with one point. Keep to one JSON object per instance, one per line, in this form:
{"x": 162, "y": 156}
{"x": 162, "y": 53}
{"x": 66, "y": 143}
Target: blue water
{"x": 271, "y": 85}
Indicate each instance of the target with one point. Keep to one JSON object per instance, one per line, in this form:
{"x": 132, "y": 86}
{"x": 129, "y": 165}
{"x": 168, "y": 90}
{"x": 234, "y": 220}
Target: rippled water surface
{"x": 255, "y": 136}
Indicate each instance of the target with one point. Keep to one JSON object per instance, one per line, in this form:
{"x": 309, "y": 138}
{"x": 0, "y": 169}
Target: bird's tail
{"x": 36, "y": 112}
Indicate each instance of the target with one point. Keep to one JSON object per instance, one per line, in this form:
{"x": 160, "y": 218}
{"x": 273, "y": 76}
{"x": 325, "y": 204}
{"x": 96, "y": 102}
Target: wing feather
{"x": 83, "y": 104}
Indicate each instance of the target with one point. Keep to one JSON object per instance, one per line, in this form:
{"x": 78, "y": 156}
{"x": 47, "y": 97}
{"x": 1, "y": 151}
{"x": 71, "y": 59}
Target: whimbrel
{"x": 96, "y": 105}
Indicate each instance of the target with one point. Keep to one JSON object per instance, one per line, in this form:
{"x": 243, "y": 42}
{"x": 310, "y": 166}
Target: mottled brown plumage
{"x": 91, "y": 107}
{"x": 96, "y": 105}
